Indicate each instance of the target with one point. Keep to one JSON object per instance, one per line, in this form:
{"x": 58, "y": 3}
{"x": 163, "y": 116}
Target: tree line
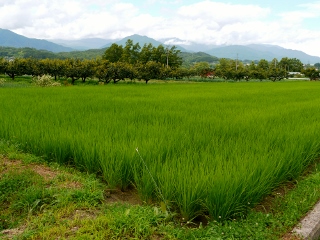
{"x": 117, "y": 63}
{"x": 149, "y": 62}
{"x": 76, "y": 69}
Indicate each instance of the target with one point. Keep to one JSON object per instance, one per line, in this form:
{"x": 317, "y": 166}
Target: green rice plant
{"x": 214, "y": 149}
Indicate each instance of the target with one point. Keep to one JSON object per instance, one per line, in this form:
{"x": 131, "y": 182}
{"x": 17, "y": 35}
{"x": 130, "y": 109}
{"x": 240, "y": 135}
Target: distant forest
{"x": 9, "y": 52}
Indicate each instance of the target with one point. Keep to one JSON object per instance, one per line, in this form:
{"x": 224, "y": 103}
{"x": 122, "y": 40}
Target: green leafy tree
{"x": 262, "y": 69}
{"x": 291, "y": 64}
{"x": 2, "y": 65}
{"x": 159, "y": 54}
{"x": 173, "y": 58}
{"x": 113, "y": 53}
{"x": 150, "y": 70}
{"x": 146, "y": 53}
{"x": 201, "y": 68}
{"x": 101, "y": 70}
{"x": 169, "y": 57}
{"x": 132, "y": 72}
{"x": 86, "y": 69}
{"x": 72, "y": 69}
{"x": 225, "y": 69}
{"x": 181, "y": 72}
{"x": 33, "y": 67}
{"x": 252, "y": 71}
{"x": 239, "y": 71}
{"x": 311, "y": 73}
{"x": 53, "y": 67}
{"x": 275, "y": 72}
{"x": 130, "y": 52}
{"x": 118, "y": 71}
{"x": 263, "y": 64}
{"x": 317, "y": 66}
{"x": 15, "y": 67}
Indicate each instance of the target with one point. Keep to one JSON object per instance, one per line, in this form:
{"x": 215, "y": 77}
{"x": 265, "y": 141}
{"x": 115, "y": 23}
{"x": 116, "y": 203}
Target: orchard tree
{"x": 202, "y": 68}
{"x": 275, "y": 72}
{"x": 262, "y": 69}
{"x": 2, "y": 65}
{"x": 224, "y": 69}
{"x": 15, "y": 67}
{"x": 240, "y": 71}
{"x": 124, "y": 70}
{"x": 251, "y": 70}
{"x": 167, "y": 72}
{"x": 291, "y": 64}
{"x": 132, "y": 72}
{"x": 311, "y": 73}
{"x": 53, "y": 67}
{"x": 263, "y": 64}
{"x": 181, "y": 72}
{"x": 72, "y": 69}
{"x": 101, "y": 70}
{"x": 150, "y": 70}
{"x": 295, "y": 65}
{"x": 87, "y": 69}
{"x": 285, "y": 64}
{"x": 33, "y": 67}
{"x": 117, "y": 71}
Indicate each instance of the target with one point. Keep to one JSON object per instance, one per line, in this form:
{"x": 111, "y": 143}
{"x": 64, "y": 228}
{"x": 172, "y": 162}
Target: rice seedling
{"x": 212, "y": 149}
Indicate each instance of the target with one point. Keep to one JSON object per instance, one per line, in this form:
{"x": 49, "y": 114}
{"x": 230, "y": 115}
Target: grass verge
{"x": 39, "y": 200}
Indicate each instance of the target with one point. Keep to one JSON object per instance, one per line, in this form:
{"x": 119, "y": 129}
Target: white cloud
{"x": 306, "y": 11}
{"x": 67, "y": 19}
{"x": 219, "y": 23}
{"x": 314, "y": 7}
{"x": 12, "y": 17}
{"x": 177, "y": 42}
{"x": 208, "y": 22}
{"x": 212, "y": 22}
{"x": 222, "y": 13}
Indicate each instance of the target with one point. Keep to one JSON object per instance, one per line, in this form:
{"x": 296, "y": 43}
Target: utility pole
{"x": 167, "y": 56}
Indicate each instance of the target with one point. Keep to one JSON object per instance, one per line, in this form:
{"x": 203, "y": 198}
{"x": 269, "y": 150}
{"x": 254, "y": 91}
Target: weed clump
{"x": 45, "y": 81}
{"x": 2, "y": 81}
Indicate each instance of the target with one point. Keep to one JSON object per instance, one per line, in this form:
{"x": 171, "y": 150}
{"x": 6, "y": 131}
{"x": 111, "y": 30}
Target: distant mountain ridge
{"x": 83, "y": 44}
{"x": 143, "y": 40}
{"x": 11, "y": 39}
{"x": 260, "y": 51}
{"x": 242, "y": 52}
{"x": 136, "y": 39}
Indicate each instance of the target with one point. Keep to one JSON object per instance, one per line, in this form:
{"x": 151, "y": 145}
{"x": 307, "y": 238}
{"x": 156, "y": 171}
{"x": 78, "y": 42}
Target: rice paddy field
{"x": 201, "y": 148}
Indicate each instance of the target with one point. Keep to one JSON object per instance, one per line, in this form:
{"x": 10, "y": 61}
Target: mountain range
{"x": 241, "y": 52}
{"x": 11, "y": 39}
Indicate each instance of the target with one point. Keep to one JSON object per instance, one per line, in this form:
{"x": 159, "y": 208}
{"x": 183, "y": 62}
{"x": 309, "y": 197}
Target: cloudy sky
{"x": 291, "y": 24}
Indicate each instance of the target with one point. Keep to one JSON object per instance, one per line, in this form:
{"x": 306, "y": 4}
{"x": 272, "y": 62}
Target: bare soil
{"x": 11, "y": 233}
{"x": 117, "y": 196}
